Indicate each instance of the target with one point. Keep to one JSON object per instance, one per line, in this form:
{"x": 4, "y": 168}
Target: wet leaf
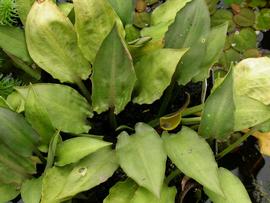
{"x": 8, "y": 192}
{"x": 16, "y": 133}
{"x": 61, "y": 183}
{"x": 263, "y": 19}
{"x": 218, "y": 113}
{"x": 12, "y": 40}
{"x": 94, "y": 21}
{"x": 264, "y": 142}
{"x": 144, "y": 164}
{"x": 74, "y": 149}
{"x": 58, "y": 99}
{"x": 52, "y": 43}
{"x": 113, "y": 77}
{"x": 31, "y": 190}
{"x": 245, "y": 18}
{"x": 189, "y": 30}
{"x": 194, "y": 157}
{"x": 154, "y": 72}
{"x": 245, "y": 39}
{"x": 234, "y": 190}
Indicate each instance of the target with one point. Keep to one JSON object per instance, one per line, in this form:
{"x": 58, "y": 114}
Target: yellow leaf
{"x": 264, "y": 142}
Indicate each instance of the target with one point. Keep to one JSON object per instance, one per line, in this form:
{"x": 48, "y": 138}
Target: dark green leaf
{"x": 245, "y": 18}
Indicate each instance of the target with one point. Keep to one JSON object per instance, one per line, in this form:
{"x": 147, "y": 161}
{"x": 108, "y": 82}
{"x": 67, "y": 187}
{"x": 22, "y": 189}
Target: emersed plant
{"x": 48, "y": 123}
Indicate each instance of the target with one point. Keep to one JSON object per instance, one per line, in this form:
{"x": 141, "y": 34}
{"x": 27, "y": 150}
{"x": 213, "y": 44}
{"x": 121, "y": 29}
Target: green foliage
{"x": 8, "y": 12}
{"x": 7, "y": 84}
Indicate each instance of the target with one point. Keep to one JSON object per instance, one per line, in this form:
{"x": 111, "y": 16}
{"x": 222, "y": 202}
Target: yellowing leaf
{"x": 264, "y": 142}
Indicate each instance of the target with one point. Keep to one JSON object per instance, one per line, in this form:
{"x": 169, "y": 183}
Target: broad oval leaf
{"x": 94, "y": 21}
{"x": 194, "y": 157}
{"x": 8, "y": 192}
{"x": 245, "y": 39}
{"x": 12, "y": 40}
{"x": 58, "y": 99}
{"x": 189, "y": 30}
{"x": 233, "y": 189}
{"x": 52, "y": 43}
{"x": 31, "y": 190}
{"x": 113, "y": 75}
{"x": 61, "y": 183}
{"x": 74, "y": 149}
{"x": 219, "y": 109}
{"x": 16, "y": 133}
{"x": 129, "y": 192}
{"x": 144, "y": 164}
{"x": 154, "y": 72}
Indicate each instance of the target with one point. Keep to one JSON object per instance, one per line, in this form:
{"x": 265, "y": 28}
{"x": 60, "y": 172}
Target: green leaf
{"x": 122, "y": 192}
{"x": 52, "y": 149}
{"x": 229, "y": 57}
{"x": 221, "y": 16}
{"x": 94, "y": 21}
{"x": 23, "y": 7}
{"x": 16, "y": 133}
{"x": 263, "y": 19}
{"x": 65, "y": 106}
{"x": 74, "y": 149}
{"x": 245, "y": 39}
{"x": 12, "y": 40}
{"x": 194, "y": 157}
{"x": 189, "y": 30}
{"x": 215, "y": 44}
{"x": 61, "y": 183}
{"x": 234, "y": 190}
{"x": 124, "y": 9}
{"x": 37, "y": 115}
{"x": 16, "y": 102}
{"x": 218, "y": 113}
{"x": 113, "y": 76}
{"x": 52, "y": 43}
{"x": 31, "y": 190}
{"x": 8, "y": 192}
{"x": 245, "y": 18}
{"x": 154, "y": 73}
{"x": 66, "y": 8}
{"x": 142, "y": 19}
{"x": 4, "y": 103}
{"x": 144, "y": 164}
{"x": 129, "y": 192}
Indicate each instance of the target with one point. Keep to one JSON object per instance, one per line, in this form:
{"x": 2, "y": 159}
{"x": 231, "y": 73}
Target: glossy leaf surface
{"x": 144, "y": 164}
{"x": 113, "y": 75}
{"x": 52, "y": 43}
{"x": 194, "y": 157}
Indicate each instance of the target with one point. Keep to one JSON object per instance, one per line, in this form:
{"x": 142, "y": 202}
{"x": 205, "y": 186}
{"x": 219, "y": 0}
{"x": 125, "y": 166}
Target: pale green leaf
{"x": 16, "y": 133}
{"x": 194, "y": 157}
{"x": 219, "y": 109}
{"x": 16, "y": 102}
{"x": 215, "y": 44}
{"x": 31, "y": 190}
{"x": 190, "y": 30}
{"x": 74, "y": 149}
{"x": 66, "y": 8}
{"x": 122, "y": 192}
{"x": 234, "y": 190}
{"x": 144, "y": 164}
{"x": 52, "y": 149}
{"x": 8, "y": 192}
{"x": 113, "y": 75}
{"x": 65, "y": 106}
{"x": 154, "y": 73}
{"x": 37, "y": 115}
{"x": 23, "y": 7}
{"x": 61, "y": 183}
{"x": 52, "y": 43}
{"x": 94, "y": 21}
{"x": 12, "y": 40}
